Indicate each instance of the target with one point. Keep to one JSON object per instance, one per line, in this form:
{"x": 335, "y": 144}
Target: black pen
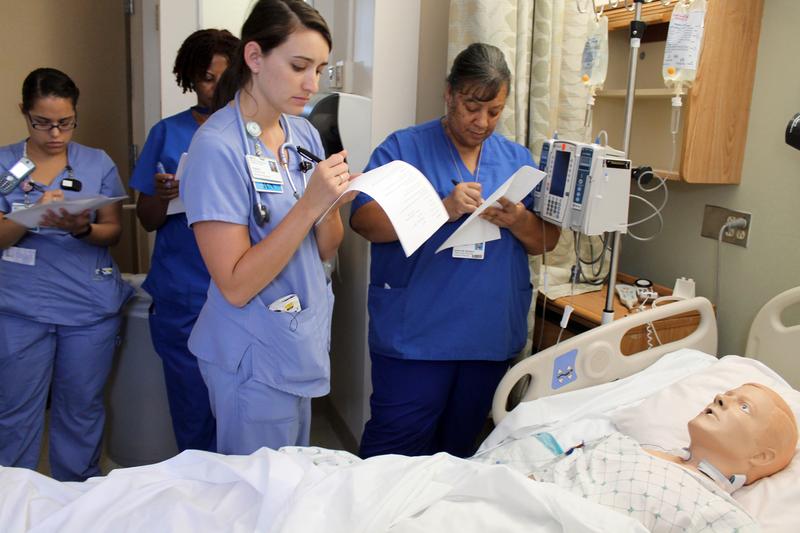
{"x": 455, "y": 182}
{"x": 308, "y": 154}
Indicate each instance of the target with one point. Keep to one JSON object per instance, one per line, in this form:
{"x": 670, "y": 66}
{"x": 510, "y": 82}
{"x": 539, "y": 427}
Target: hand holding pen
{"x": 329, "y": 180}
{"x": 165, "y": 184}
{"x": 463, "y": 199}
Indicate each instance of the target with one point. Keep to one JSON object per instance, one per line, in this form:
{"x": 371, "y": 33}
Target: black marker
{"x": 308, "y": 155}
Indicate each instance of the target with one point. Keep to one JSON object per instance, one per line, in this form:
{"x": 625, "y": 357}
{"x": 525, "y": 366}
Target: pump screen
{"x": 559, "y": 179}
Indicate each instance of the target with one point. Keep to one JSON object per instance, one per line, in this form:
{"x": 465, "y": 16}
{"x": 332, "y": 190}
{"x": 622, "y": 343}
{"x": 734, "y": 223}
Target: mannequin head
{"x": 749, "y": 430}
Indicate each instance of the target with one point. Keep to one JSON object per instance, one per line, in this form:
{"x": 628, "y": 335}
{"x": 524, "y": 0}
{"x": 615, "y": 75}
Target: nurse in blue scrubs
{"x": 60, "y": 291}
{"x": 443, "y": 326}
{"x": 178, "y": 279}
{"x": 263, "y": 335}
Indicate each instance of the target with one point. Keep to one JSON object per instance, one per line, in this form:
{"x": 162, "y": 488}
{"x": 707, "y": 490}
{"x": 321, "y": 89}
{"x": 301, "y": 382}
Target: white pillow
{"x": 662, "y": 420}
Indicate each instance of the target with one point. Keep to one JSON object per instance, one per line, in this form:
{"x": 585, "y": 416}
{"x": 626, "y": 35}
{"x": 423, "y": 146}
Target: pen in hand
{"x": 160, "y": 168}
{"x": 308, "y": 154}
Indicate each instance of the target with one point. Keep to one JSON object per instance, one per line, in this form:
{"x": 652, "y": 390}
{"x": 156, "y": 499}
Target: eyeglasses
{"x": 67, "y": 124}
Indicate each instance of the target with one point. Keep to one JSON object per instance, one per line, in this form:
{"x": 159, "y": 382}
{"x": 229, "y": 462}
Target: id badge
{"x": 469, "y": 251}
{"x": 20, "y": 256}
{"x": 265, "y": 174}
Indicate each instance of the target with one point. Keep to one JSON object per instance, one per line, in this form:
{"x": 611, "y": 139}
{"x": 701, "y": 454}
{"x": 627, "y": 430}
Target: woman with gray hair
{"x": 443, "y": 326}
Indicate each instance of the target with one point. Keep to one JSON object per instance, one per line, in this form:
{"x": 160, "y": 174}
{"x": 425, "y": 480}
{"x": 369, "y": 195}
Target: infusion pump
{"x": 586, "y": 187}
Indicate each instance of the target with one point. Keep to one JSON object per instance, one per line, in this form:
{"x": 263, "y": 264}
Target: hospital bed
{"x": 649, "y": 396}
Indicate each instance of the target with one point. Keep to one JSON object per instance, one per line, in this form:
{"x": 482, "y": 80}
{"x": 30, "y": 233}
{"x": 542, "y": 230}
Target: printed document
{"x": 408, "y": 198}
{"x": 31, "y": 216}
{"x": 176, "y": 204}
{"x": 476, "y": 229}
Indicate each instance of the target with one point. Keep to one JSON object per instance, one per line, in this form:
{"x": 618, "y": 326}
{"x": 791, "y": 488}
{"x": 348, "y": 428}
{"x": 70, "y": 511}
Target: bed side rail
{"x": 594, "y": 357}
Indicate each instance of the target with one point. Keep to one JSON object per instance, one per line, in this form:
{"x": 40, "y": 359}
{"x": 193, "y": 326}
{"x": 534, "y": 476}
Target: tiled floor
{"x": 323, "y": 434}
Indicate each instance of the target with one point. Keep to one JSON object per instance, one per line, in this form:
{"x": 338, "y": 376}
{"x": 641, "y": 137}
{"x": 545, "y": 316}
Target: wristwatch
{"x": 84, "y": 233}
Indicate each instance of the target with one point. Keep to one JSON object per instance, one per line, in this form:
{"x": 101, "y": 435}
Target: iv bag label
{"x": 589, "y": 54}
{"x": 683, "y": 40}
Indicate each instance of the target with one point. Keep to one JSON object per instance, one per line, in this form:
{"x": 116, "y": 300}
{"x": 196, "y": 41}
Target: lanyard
{"x": 253, "y": 130}
{"x": 29, "y": 185}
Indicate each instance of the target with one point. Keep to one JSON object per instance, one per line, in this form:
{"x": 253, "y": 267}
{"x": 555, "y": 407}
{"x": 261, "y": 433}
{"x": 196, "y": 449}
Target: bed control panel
{"x": 564, "y": 371}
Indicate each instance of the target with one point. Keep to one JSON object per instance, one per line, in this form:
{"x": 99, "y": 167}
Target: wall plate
{"x": 713, "y": 219}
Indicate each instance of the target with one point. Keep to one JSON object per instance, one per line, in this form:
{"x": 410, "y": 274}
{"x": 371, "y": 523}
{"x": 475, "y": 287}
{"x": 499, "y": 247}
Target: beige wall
{"x": 769, "y": 190}
{"x": 86, "y": 39}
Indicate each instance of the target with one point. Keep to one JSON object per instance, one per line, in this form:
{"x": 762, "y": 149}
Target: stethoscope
{"x": 70, "y": 183}
{"x": 253, "y": 130}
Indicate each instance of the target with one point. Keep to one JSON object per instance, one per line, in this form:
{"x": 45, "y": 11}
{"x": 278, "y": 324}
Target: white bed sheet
{"x": 322, "y": 490}
{"x": 329, "y": 491}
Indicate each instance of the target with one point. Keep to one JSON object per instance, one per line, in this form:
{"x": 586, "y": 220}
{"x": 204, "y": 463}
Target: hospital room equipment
{"x": 586, "y": 187}
{"x": 681, "y": 57}
{"x": 793, "y": 132}
{"x": 594, "y": 64}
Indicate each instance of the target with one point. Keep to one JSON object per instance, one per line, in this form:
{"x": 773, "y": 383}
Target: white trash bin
{"x": 138, "y": 426}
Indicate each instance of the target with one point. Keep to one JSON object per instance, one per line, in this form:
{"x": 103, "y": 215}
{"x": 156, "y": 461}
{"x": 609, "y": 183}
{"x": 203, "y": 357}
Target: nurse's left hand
{"x": 510, "y": 214}
{"x": 65, "y": 221}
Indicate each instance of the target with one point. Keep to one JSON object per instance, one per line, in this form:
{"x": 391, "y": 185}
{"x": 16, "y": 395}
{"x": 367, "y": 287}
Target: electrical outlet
{"x": 714, "y": 217}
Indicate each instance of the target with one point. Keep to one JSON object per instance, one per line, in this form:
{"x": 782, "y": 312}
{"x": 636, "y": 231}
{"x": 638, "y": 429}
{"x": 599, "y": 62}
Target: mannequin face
{"x": 744, "y": 431}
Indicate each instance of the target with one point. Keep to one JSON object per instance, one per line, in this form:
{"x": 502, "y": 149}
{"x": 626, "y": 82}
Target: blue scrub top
{"x": 432, "y": 306}
{"x": 68, "y": 284}
{"x": 177, "y": 272}
{"x": 289, "y": 351}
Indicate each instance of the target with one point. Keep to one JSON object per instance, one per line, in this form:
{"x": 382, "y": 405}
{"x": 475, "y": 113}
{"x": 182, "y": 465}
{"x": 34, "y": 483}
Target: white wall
{"x": 769, "y": 190}
{"x": 228, "y": 15}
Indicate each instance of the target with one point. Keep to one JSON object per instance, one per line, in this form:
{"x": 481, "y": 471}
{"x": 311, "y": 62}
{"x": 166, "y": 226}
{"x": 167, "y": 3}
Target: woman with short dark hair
{"x": 178, "y": 279}
{"x": 60, "y": 291}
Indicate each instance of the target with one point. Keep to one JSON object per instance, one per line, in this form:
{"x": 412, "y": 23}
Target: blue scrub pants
{"x": 192, "y": 419}
{"x": 73, "y": 362}
{"x": 424, "y": 407}
{"x": 251, "y": 414}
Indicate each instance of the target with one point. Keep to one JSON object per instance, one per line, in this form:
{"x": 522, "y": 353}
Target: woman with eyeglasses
{"x": 60, "y": 291}
{"x": 178, "y": 279}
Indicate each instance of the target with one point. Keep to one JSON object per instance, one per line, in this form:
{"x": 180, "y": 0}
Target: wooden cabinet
{"x": 711, "y": 140}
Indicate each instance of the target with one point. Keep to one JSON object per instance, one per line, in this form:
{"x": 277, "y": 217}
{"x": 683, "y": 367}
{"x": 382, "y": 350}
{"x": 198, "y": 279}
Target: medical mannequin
{"x": 745, "y": 434}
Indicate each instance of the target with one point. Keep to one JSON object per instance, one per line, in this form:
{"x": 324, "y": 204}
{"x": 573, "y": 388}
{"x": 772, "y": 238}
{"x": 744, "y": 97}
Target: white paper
{"x": 408, "y": 198}
{"x": 31, "y": 216}
{"x": 476, "y": 229}
{"x": 176, "y": 204}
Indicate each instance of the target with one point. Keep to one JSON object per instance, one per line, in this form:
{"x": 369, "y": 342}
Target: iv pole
{"x": 636, "y": 32}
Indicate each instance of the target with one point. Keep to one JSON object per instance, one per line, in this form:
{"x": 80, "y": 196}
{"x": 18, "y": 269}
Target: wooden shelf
{"x": 638, "y": 93}
{"x": 716, "y": 109}
{"x": 652, "y": 13}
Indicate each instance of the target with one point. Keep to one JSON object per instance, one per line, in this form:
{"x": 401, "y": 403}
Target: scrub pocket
{"x": 291, "y": 349}
{"x": 258, "y": 402}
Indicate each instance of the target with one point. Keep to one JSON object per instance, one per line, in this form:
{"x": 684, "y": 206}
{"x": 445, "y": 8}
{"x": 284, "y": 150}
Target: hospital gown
{"x": 615, "y": 472}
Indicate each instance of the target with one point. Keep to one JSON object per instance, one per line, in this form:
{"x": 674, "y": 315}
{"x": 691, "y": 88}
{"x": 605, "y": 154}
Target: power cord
{"x": 737, "y": 223}
{"x": 662, "y": 183}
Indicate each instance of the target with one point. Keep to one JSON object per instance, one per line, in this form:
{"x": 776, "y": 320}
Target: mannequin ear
{"x": 763, "y": 458}
{"x": 253, "y": 56}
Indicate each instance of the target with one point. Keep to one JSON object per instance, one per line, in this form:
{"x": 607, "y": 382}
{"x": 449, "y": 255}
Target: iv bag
{"x": 684, "y": 40}
{"x": 594, "y": 63}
